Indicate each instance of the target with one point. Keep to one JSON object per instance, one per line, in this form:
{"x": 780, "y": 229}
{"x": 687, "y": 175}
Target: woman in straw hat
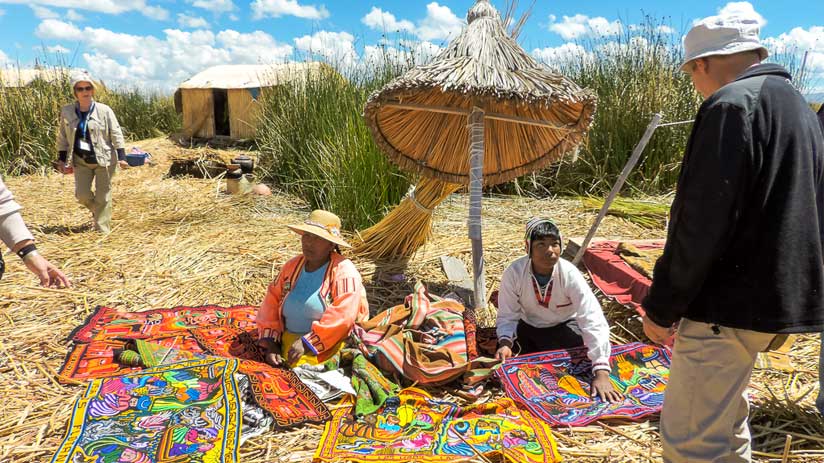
{"x": 90, "y": 144}
{"x": 316, "y": 299}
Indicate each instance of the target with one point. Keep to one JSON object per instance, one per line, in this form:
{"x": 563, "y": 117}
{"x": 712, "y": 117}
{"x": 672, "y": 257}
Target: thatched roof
{"x": 252, "y": 75}
{"x": 17, "y": 77}
{"x": 482, "y": 67}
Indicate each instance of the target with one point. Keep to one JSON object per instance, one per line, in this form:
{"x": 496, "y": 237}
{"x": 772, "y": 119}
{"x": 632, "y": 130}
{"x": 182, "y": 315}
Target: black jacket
{"x": 744, "y": 247}
{"x": 821, "y": 115}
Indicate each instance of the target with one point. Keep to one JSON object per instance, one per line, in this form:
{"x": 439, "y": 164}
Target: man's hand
{"x": 602, "y": 387}
{"x": 504, "y": 353}
{"x": 123, "y": 164}
{"x": 296, "y": 351}
{"x": 65, "y": 168}
{"x": 657, "y": 333}
{"x": 50, "y": 276}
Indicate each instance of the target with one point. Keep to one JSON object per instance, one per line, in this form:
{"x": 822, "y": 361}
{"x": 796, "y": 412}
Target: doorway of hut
{"x": 220, "y": 99}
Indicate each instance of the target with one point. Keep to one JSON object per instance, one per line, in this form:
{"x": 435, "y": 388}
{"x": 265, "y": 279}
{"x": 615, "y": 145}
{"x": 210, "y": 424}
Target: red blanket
{"x": 614, "y": 277}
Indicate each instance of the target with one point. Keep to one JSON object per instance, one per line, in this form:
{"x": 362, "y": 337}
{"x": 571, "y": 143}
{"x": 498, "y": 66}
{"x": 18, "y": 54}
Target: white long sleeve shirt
{"x": 571, "y": 298}
{"x": 12, "y": 228}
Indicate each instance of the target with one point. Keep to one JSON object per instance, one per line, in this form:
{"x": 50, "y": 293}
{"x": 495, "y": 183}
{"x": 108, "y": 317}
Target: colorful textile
{"x": 555, "y": 386}
{"x": 415, "y": 427}
{"x": 371, "y": 386}
{"x": 182, "y": 412}
{"x": 107, "y": 323}
{"x": 97, "y": 359}
{"x": 421, "y": 340}
{"x": 614, "y": 276}
{"x": 277, "y": 390}
{"x": 332, "y": 356}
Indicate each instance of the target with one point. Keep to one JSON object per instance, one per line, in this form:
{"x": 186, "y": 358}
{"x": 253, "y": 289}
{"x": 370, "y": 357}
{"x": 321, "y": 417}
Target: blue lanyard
{"x": 83, "y": 120}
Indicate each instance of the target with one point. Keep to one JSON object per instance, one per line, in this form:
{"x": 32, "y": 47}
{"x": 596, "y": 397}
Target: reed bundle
{"x": 644, "y": 213}
{"x": 407, "y": 227}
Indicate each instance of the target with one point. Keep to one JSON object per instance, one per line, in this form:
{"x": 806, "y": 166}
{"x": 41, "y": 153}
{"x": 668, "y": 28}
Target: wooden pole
{"x": 476, "y": 183}
{"x": 633, "y": 159}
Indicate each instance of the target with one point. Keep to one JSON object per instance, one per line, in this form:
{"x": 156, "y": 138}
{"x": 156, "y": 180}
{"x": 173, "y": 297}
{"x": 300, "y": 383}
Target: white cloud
{"x": 43, "y": 12}
{"x": 335, "y": 47}
{"x": 407, "y": 52}
{"x": 100, "y": 6}
{"x": 72, "y": 15}
{"x": 440, "y": 23}
{"x": 215, "y": 6}
{"x": 57, "y": 49}
{"x": 278, "y": 8}
{"x": 384, "y": 21}
{"x": 578, "y": 26}
{"x": 562, "y": 53}
{"x": 744, "y": 9}
{"x": 664, "y": 29}
{"x": 4, "y": 59}
{"x": 798, "y": 41}
{"x": 163, "y": 62}
{"x": 57, "y": 30}
{"x": 191, "y": 22}
{"x": 2, "y": 12}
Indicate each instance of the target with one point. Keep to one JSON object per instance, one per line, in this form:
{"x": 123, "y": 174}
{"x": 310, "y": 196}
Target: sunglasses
{"x": 84, "y": 89}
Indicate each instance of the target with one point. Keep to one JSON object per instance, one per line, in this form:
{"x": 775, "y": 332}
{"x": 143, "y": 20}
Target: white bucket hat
{"x": 722, "y": 35}
{"x": 79, "y": 75}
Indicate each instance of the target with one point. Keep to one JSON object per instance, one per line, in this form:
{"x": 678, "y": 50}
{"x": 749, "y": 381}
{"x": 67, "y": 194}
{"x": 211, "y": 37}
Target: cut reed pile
{"x": 182, "y": 242}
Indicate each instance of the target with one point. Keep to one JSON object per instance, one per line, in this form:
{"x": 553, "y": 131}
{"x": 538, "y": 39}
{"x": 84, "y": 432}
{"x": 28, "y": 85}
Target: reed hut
{"x": 19, "y": 78}
{"x": 222, "y": 101}
{"x": 481, "y": 113}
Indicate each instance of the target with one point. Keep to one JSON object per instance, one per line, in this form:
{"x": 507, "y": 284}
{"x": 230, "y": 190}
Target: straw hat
{"x": 722, "y": 35}
{"x": 323, "y": 224}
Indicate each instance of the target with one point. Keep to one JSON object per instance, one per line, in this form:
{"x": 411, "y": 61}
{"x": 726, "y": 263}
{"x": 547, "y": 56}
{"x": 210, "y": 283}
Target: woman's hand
{"x": 123, "y": 164}
{"x": 272, "y": 352}
{"x": 296, "y": 351}
{"x": 602, "y": 387}
{"x": 50, "y": 276}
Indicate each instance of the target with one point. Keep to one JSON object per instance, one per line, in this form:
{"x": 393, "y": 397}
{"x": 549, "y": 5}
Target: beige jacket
{"x": 12, "y": 228}
{"x": 106, "y": 136}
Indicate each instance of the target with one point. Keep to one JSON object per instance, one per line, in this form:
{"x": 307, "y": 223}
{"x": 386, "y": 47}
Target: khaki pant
{"x": 704, "y": 418}
{"x": 98, "y": 201}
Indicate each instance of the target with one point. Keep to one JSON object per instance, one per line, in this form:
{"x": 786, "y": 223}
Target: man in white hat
{"x": 744, "y": 259}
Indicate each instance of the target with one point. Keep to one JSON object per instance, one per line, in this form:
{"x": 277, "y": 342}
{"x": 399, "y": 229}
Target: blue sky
{"x": 156, "y": 44}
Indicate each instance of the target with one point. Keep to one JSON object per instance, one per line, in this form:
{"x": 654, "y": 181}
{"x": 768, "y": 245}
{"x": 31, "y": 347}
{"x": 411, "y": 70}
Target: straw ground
{"x": 183, "y": 242}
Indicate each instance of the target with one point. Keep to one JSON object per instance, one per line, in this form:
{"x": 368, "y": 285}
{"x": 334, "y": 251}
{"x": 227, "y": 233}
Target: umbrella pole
{"x": 476, "y": 183}
{"x": 633, "y": 159}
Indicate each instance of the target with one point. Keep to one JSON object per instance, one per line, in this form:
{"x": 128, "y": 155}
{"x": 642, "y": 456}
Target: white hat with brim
{"x": 78, "y": 76}
{"x": 323, "y": 224}
{"x": 722, "y": 35}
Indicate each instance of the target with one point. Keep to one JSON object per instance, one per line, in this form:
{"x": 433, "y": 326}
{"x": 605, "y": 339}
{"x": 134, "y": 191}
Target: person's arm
{"x": 590, "y": 318}
{"x": 510, "y": 313}
{"x": 340, "y": 315}
{"x": 62, "y": 139}
{"x": 15, "y": 235}
{"x": 704, "y": 211}
{"x": 116, "y": 138}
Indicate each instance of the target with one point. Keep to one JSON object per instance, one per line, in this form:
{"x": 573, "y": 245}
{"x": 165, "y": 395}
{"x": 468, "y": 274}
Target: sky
{"x": 156, "y": 44}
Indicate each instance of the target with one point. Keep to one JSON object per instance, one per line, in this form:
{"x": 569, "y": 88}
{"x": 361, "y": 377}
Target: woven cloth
{"x": 415, "y": 427}
{"x": 555, "y": 386}
{"x": 187, "y": 411}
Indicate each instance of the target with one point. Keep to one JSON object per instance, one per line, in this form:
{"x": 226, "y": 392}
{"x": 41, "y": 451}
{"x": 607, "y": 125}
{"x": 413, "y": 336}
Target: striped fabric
{"x": 421, "y": 340}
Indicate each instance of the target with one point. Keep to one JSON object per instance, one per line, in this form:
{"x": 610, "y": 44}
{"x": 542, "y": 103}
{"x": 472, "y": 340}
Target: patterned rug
{"x": 277, "y": 390}
{"x": 107, "y": 323}
{"x": 415, "y": 427}
{"x": 187, "y": 411}
{"x": 211, "y": 329}
{"x": 97, "y": 359}
{"x": 555, "y": 386}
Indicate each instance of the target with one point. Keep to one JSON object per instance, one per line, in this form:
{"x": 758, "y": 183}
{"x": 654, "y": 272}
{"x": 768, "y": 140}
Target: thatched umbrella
{"x": 481, "y": 113}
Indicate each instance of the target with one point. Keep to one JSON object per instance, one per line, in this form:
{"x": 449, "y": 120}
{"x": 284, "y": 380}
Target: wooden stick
{"x": 785, "y": 457}
{"x": 633, "y": 159}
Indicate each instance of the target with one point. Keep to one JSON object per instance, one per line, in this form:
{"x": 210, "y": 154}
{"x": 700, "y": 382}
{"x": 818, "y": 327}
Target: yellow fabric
{"x": 307, "y": 358}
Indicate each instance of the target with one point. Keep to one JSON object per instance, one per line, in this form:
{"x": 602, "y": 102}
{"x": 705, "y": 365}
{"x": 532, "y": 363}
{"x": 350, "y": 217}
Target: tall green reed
{"x": 314, "y": 143}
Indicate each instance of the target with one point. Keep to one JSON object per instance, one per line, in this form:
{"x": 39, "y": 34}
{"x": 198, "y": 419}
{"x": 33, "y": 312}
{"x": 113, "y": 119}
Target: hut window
{"x": 220, "y": 100}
